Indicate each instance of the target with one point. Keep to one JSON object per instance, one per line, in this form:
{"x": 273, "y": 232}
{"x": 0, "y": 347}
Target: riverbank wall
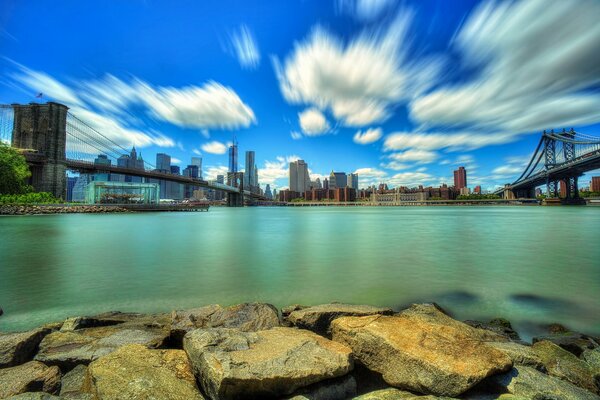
{"x": 329, "y": 351}
{"x": 31, "y": 209}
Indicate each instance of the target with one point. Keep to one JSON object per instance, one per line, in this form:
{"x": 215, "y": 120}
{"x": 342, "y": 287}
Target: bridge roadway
{"x": 91, "y": 168}
{"x": 577, "y": 166}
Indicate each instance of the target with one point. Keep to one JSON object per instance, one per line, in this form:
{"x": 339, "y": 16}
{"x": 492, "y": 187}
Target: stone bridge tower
{"x": 40, "y": 131}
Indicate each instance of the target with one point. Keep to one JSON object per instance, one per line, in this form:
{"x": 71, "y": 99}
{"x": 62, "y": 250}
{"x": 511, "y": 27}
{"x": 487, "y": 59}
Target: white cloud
{"x": 210, "y": 172}
{"x": 451, "y": 141}
{"x": 411, "y": 179}
{"x": 214, "y": 147}
{"x": 296, "y": 135}
{"x": 395, "y": 165}
{"x": 369, "y": 136}
{"x": 313, "y": 122}
{"x": 419, "y": 156}
{"x": 175, "y": 160}
{"x": 368, "y": 176}
{"x": 537, "y": 67}
{"x": 359, "y": 81}
{"x": 245, "y": 47}
{"x": 273, "y": 171}
{"x": 364, "y": 10}
{"x": 197, "y": 152}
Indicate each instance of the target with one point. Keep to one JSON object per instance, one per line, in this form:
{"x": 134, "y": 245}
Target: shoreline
{"x": 327, "y": 351}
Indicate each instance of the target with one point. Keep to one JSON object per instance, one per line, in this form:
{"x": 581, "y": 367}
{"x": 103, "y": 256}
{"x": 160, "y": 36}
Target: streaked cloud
{"x": 210, "y": 172}
{"x": 443, "y": 140}
{"x": 245, "y": 47}
{"x": 364, "y": 10}
{"x": 415, "y": 155}
{"x": 369, "y": 136}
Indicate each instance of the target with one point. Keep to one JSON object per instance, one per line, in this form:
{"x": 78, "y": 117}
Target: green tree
{"x": 13, "y": 171}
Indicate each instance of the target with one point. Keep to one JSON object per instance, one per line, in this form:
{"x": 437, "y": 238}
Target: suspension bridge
{"x": 560, "y": 158}
{"x": 55, "y": 141}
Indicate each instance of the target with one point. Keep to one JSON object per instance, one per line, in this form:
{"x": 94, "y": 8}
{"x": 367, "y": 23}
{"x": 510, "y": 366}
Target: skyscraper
{"x": 163, "y": 162}
{"x": 268, "y": 193}
{"x": 250, "y": 180}
{"x": 197, "y": 161}
{"x": 337, "y": 180}
{"x": 299, "y": 178}
{"x": 353, "y": 181}
{"x": 233, "y": 157}
{"x": 460, "y": 178}
{"x": 102, "y": 160}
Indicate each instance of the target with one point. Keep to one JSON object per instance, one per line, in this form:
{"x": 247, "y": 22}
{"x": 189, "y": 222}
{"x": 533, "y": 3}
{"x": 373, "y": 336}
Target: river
{"x": 530, "y": 264}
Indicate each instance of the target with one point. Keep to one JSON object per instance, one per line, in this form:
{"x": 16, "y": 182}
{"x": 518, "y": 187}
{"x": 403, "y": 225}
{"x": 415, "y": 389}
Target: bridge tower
{"x": 40, "y": 130}
{"x": 549, "y": 163}
{"x": 569, "y": 153}
{"x": 235, "y": 179}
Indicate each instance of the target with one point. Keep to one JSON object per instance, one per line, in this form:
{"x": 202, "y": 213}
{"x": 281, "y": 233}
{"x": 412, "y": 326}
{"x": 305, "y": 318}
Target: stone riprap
{"x": 323, "y": 352}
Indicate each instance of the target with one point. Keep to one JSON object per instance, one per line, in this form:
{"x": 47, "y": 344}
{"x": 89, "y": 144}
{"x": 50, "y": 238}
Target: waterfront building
{"x": 275, "y": 194}
{"x": 337, "y": 180}
{"x": 197, "y": 161}
{"x": 102, "y": 159}
{"x": 233, "y": 157}
{"x": 80, "y": 187}
{"x": 353, "y": 181}
{"x": 477, "y": 189}
{"x": 464, "y": 191}
{"x": 163, "y": 162}
{"x": 595, "y": 184}
{"x": 460, "y": 178}
{"x": 326, "y": 184}
{"x": 288, "y": 195}
{"x": 71, "y": 180}
{"x": 99, "y": 192}
{"x": 131, "y": 161}
{"x": 316, "y": 184}
{"x": 396, "y": 198}
{"x": 299, "y": 179}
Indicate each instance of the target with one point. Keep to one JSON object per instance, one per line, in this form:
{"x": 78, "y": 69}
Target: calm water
{"x": 529, "y": 264}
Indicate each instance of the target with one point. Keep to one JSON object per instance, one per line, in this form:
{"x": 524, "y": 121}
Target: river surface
{"x": 530, "y": 264}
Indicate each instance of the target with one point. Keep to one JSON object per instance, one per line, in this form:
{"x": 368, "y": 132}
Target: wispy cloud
{"x": 367, "y": 137}
{"x": 214, "y": 147}
{"x": 364, "y": 10}
{"x": 245, "y": 47}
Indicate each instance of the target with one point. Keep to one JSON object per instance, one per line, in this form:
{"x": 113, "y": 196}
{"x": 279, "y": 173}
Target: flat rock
{"x": 246, "y": 317}
{"x": 71, "y": 348}
{"x": 386, "y": 394}
{"x": 500, "y": 326}
{"x": 318, "y": 318}
{"x": 71, "y": 385}
{"x": 422, "y": 350}
{"x": 19, "y": 347}
{"x": 564, "y": 365}
{"x": 29, "y": 377}
{"x": 136, "y": 372}
{"x": 230, "y": 364}
{"x": 332, "y": 389}
{"x": 125, "y": 320}
{"x": 573, "y": 342}
{"x": 520, "y": 354}
{"x": 529, "y": 383}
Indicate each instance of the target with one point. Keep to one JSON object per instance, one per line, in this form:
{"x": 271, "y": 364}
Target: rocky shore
{"x": 10, "y": 209}
{"x": 323, "y": 352}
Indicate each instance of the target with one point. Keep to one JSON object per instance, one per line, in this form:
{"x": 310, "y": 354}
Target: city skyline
{"x": 407, "y": 116}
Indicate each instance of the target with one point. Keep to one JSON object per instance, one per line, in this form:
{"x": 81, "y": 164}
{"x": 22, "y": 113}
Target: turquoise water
{"x": 529, "y": 264}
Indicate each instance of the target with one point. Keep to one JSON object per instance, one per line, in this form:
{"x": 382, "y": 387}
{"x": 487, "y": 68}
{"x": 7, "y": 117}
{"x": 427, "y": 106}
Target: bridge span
{"x": 559, "y": 157}
{"x": 53, "y": 140}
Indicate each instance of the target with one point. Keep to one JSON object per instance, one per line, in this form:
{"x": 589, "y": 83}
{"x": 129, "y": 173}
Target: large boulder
{"x": 592, "y": 358}
{"x": 32, "y": 376}
{"x": 565, "y": 365}
{"x": 71, "y": 385}
{"x": 34, "y": 396}
{"x": 136, "y": 372}
{"x": 246, "y": 317}
{"x": 318, "y": 318}
{"x": 573, "y": 342}
{"x": 520, "y": 354}
{"x": 528, "y": 383}
{"x": 117, "y": 318}
{"x": 422, "y": 350}
{"x": 71, "y": 348}
{"x": 19, "y": 347}
{"x": 230, "y": 364}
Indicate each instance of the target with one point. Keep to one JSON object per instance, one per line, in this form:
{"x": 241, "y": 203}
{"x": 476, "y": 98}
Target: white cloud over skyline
{"x": 313, "y": 122}
{"x": 367, "y": 137}
{"x": 214, "y": 147}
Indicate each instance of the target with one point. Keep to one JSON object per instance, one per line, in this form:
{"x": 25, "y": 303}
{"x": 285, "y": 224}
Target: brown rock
{"x": 231, "y": 364}
{"x": 318, "y": 318}
{"x": 520, "y": 354}
{"x": 564, "y": 365}
{"x": 17, "y": 348}
{"x": 246, "y": 317}
{"x": 422, "y": 350}
{"x": 135, "y": 372}
{"x": 29, "y": 377}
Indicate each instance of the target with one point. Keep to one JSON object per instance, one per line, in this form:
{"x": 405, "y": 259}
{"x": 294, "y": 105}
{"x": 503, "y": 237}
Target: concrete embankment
{"x": 329, "y": 351}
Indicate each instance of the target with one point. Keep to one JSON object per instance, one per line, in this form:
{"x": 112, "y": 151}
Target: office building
{"x": 460, "y": 178}
{"x": 268, "y": 193}
{"x": 595, "y": 184}
{"x": 477, "y": 189}
{"x": 353, "y": 181}
{"x": 197, "y": 161}
{"x": 131, "y": 161}
{"x": 102, "y": 159}
{"x": 250, "y": 173}
{"x": 338, "y": 180}
{"x": 299, "y": 180}
{"x": 163, "y": 162}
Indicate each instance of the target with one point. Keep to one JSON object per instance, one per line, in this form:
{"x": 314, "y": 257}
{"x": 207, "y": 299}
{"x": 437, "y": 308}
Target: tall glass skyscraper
{"x": 250, "y": 176}
{"x": 233, "y": 157}
{"x": 299, "y": 178}
{"x": 197, "y": 161}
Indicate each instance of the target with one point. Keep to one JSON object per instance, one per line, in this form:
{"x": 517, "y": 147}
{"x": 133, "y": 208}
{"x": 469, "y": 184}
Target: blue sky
{"x": 401, "y": 92}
